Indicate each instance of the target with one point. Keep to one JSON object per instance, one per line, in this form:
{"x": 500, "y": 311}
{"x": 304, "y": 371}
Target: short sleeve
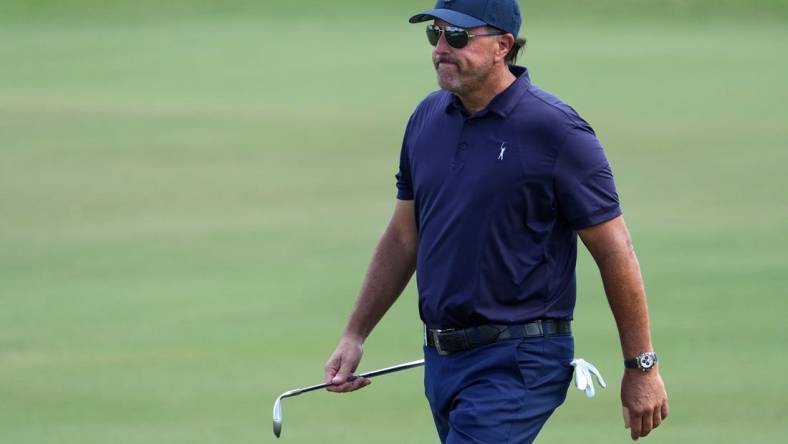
{"x": 403, "y": 176}
{"x": 585, "y": 188}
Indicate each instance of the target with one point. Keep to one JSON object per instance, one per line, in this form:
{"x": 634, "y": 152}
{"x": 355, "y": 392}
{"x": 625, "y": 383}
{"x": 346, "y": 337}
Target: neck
{"x": 478, "y": 99}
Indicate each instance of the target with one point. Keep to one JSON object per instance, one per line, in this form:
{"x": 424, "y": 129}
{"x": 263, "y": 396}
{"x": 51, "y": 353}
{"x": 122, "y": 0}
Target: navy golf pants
{"x": 499, "y": 393}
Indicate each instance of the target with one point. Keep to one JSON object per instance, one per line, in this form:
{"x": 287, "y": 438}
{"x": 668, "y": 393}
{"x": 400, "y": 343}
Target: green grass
{"x": 188, "y": 201}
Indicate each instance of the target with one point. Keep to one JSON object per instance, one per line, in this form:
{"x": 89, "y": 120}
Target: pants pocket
{"x": 545, "y": 360}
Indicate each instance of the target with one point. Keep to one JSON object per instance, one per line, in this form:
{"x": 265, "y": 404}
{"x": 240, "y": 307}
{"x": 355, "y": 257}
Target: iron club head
{"x": 278, "y": 405}
{"x": 278, "y": 416}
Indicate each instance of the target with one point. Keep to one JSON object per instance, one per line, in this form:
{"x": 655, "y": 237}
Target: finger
{"x": 359, "y": 383}
{"x": 343, "y": 387}
{"x": 349, "y": 386}
{"x": 591, "y": 368}
{"x": 657, "y": 417}
{"x": 598, "y": 375}
{"x": 635, "y": 425}
{"x": 343, "y": 374}
{"x": 340, "y": 388}
{"x": 625, "y": 411}
{"x": 664, "y": 410}
{"x": 590, "y": 392}
{"x": 648, "y": 423}
{"x": 330, "y": 369}
{"x": 580, "y": 378}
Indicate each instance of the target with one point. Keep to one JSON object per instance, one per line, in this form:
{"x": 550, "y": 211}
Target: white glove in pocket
{"x": 583, "y": 379}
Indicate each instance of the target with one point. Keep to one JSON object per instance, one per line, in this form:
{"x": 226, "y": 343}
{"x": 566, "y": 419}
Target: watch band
{"x": 631, "y": 363}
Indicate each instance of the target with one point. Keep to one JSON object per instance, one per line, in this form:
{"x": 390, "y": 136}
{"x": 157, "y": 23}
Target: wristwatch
{"x": 644, "y": 361}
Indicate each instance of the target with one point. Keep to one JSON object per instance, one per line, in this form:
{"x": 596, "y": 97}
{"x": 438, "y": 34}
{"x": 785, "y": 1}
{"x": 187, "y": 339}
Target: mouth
{"x": 442, "y": 61}
{"x": 440, "y": 64}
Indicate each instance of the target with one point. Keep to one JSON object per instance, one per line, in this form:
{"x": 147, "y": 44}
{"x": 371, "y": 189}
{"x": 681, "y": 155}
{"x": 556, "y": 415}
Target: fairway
{"x": 189, "y": 198}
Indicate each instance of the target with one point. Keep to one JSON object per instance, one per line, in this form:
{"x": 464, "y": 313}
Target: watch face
{"x": 646, "y": 360}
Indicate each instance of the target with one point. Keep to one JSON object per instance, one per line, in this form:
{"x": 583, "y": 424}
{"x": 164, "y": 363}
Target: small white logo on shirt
{"x": 503, "y": 150}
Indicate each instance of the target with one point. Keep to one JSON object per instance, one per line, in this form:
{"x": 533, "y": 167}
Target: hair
{"x": 511, "y": 56}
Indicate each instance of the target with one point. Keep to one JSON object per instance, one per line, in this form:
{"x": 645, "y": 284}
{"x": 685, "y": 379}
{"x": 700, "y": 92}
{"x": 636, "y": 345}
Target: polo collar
{"x": 504, "y": 102}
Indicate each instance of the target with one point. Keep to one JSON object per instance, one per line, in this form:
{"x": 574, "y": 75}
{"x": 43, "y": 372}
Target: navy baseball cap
{"x": 501, "y": 14}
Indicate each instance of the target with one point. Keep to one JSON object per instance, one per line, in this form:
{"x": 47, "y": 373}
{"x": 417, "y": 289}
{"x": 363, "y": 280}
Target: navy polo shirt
{"x": 498, "y": 197}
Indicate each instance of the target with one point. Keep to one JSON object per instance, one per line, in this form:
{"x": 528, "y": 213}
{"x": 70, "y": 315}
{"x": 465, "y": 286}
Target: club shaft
{"x": 392, "y": 369}
{"x": 370, "y": 374}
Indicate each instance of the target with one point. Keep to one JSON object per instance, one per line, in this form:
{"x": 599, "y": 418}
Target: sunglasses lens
{"x": 433, "y": 34}
{"x": 456, "y": 38}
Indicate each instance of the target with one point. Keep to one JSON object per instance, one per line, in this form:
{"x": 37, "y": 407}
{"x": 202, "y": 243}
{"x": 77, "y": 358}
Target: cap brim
{"x": 452, "y": 17}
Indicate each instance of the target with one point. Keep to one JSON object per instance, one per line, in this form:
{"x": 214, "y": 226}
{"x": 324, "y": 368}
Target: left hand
{"x": 645, "y": 401}
{"x": 341, "y": 365}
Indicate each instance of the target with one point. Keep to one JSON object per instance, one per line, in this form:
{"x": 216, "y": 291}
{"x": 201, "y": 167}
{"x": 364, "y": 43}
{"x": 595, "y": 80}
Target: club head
{"x": 278, "y": 417}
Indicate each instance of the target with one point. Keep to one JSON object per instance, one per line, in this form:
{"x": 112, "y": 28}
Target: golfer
{"x": 497, "y": 179}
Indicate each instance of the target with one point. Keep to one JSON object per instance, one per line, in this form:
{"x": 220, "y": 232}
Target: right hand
{"x": 645, "y": 401}
{"x": 341, "y": 365}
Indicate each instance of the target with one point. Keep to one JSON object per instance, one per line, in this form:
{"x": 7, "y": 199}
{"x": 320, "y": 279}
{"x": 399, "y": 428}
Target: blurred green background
{"x": 190, "y": 192}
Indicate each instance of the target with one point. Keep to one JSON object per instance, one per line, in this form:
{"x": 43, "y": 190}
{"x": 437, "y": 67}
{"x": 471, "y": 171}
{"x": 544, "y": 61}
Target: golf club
{"x": 298, "y": 391}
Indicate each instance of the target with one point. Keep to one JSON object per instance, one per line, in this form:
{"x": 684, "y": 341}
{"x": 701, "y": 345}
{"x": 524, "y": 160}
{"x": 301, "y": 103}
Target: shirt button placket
{"x": 462, "y": 146}
{"x": 459, "y": 155}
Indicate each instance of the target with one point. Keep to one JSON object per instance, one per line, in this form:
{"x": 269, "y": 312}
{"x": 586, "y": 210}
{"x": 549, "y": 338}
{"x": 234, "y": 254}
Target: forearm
{"x": 627, "y": 298}
{"x": 611, "y": 246}
{"x": 392, "y": 266}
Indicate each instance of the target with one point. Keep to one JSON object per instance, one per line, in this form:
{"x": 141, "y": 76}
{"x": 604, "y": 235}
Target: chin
{"x": 452, "y": 88}
{"x": 446, "y": 87}
{"x": 450, "y": 85}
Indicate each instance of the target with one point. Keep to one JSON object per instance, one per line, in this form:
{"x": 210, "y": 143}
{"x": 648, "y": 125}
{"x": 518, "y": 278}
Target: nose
{"x": 442, "y": 47}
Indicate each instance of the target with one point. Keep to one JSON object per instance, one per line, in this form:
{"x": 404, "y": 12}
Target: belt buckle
{"x": 436, "y": 340}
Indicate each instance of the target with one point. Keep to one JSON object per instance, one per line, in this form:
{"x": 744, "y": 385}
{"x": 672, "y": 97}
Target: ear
{"x": 505, "y": 44}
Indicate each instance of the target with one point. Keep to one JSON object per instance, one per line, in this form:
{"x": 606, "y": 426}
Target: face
{"x": 466, "y": 69}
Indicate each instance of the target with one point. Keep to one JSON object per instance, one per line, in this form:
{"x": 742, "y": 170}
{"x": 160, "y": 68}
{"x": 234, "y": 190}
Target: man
{"x": 497, "y": 179}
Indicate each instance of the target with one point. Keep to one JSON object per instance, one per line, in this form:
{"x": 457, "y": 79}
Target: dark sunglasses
{"x": 456, "y": 37}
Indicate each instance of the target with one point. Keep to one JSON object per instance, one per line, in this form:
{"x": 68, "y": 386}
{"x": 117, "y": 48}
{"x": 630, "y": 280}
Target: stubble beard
{"x": 458, "y": 80}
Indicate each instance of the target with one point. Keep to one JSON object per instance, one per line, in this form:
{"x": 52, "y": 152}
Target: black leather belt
{"x": 456, "y": 340}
